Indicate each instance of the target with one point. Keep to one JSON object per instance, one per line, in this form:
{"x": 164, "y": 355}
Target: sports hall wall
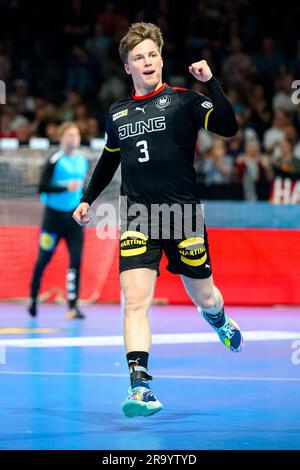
{"x": 252, "y": 265}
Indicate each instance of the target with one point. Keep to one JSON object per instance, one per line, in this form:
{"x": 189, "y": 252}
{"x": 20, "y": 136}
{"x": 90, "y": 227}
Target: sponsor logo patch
{"x": 141, "y": 127}
{"x": 122, "y": 113}
{"x": 193, "y": 251}
{"x": 48, "y": 241}
{"x": 207, "y": 104}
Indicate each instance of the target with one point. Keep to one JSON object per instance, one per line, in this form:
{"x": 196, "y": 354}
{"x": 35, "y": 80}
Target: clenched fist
{"x": 80, "y": 214}
{"x": 201, "y": 71}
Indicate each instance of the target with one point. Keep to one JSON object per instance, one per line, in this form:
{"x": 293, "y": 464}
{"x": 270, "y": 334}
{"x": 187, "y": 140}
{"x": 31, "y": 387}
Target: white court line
{"x": 171, "y": 338}
{"x": 157, "y": 376}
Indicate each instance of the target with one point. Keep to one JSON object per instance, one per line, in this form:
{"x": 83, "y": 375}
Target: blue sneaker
{"x": 141, "y": 401}
{"x": 229, "y": 333}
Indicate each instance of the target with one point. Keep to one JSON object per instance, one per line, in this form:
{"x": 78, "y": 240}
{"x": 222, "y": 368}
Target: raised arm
{"x": 45, "y": 185}
{"x": 219, "y": 115}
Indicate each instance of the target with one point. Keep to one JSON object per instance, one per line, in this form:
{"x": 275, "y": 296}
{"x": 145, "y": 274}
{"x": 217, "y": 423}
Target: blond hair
{"x": 66, "y": 126}
{"x": 137, "y": 33}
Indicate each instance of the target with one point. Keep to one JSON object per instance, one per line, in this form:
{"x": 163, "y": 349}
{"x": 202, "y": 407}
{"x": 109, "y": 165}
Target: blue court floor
{"x": 62, "y": 382}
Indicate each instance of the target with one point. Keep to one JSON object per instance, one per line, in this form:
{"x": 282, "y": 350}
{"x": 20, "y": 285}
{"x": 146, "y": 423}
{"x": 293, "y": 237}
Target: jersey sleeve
{"x": 111, "y": 140}
{"x": 106, "y": 166}
{"x": 202, "y": 107}
{"x": 215, "y": 113}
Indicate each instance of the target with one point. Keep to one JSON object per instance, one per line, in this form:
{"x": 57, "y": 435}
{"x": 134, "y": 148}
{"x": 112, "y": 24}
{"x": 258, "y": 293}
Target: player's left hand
{"x": 201, "y": 71}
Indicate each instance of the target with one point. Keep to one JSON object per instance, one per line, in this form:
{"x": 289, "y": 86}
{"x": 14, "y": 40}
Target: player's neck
{"x": 140, "y": 90}
{"x": 69, "y": 151}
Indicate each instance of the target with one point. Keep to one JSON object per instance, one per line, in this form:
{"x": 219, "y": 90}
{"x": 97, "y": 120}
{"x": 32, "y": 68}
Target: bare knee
{"x": 207, "y": 300}
{"x": 138, "y": 288}
{"x": 136, "y": 304}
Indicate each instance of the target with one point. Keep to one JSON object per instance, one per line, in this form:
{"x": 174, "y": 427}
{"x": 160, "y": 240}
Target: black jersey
{"x": 156, "y": 135}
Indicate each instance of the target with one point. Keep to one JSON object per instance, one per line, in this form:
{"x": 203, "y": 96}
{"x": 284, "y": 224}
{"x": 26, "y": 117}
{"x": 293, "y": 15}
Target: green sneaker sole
{"x": 133, "y": 408}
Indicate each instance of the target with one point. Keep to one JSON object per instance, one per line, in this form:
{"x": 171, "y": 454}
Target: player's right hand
{"x": 74, "y": 185}
{"x": 80, "y": 214}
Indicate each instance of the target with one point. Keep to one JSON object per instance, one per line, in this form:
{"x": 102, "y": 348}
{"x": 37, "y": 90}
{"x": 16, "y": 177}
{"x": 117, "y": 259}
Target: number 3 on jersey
{"x": 144, "y": 149}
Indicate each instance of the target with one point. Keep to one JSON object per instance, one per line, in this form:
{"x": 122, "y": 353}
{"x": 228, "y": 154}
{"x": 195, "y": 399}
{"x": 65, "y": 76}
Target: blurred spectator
{"x": 112, "y": 89}
{"x": 276, "y": 132}
{"x": 235, "y": 99}
{"x": 6, "y": 120}
{"x": 295, "y": 62}
{"x": 204, "y": 24}
{"x": 110, "y": 19}
{"x": 287, "y": 165}
{"x": 47, "y": 114}
{"x": 19, "y": 121}
{"x": 23, "y": 132}
{"x": 20, "y": 99}
{"x": 99, "y": 45}
{"x": 218, "y": 166}
{"x": 12, "y": 122}
{"x": 232, "y": 22}
{"x": 81, "y": 111}
{"x": 169, "y": 43}
{"x": 247, "y": 132}
{"x": 83, "y": 128}
{"x": 5, "y": 65}
{"x": 259, "y": 115}
{"x": 93, "y": 130}
{"x": 219, "y": 53}
{"x": 204, "y": 143}
{"x": 67, "y": 110}
{"x": 291, "y": 134}
{"x": 88, "y": 126}
{"x": 215, "y": 172}
{"x": 296, "y": 118}
{"x": 254, "y": 172}
{"x": 77, "y": 23}
{"x": 118, "y": 34}
{"x": 39, "y": 103}
{"x": 82, "y": 68}
{"x": 236, "y": 144}
{"x": 238, "y": 69}
{"x": 52, "y": 132}
{"x": 269, "y": 61}
{"x": 282, "y": 98}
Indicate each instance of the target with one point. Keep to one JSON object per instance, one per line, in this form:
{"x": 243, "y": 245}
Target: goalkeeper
{"x": 61, "y": 188}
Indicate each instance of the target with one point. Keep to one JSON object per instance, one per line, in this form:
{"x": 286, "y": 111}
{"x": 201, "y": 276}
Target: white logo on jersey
{"x": 122, "y": 113}
{"x": 141, "y": 108}
{"x": 207, "y": 104}
{"x": 141, "y": 127}
{"x": 163, "y": 102}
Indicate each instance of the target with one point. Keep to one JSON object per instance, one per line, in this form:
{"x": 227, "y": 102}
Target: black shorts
{"x": 189, "y": 257}
{"x": 57, "y": 225}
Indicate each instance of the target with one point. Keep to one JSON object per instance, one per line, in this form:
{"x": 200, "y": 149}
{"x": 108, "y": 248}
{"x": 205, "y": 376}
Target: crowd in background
{"x": 60, "y": 62}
